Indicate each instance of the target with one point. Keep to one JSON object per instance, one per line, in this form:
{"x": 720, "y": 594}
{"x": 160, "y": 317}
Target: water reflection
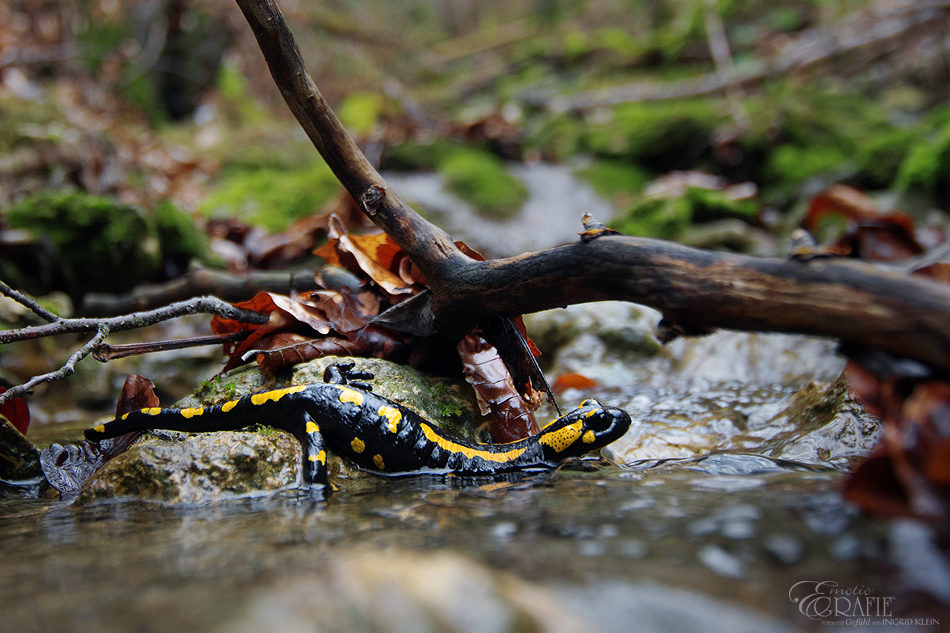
{"x": 597, "y": 546}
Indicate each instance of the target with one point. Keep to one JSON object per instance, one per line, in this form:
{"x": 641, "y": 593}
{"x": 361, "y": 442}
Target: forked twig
{"x": 103, "y": 327}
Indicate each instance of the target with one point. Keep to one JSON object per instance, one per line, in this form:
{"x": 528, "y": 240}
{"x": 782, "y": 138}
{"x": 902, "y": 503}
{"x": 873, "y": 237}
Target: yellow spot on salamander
{"x": 152, "y": 411}
{"x": 357, "y": 445}
{"x": 190, "y": 413}
{"x": 230, "y": 404}
{"x": 275, "y": 395}
{"x": 313, "y": 458}
{"x": 588, "y": 437}
{"x": 562, "y": 438}
{"x": 448, "y": 445}
{"x": 378, "y": 460}
{"x": 322, "y": 457}
{"x": 312, "y": 427}
{"x": 351, "y": 395}
{"x": 102, "y": 427}
{"x": 392, "y": 414}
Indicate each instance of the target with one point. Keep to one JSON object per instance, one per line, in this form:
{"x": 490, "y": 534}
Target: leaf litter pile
{"x": 366, "y": 275}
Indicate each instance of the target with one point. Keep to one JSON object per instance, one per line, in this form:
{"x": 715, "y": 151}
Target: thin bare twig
{"x": 25, "y": 301}
{"x": 105, "y": 352}
{"x": 102, "y": 327}
{"x": 63, "y": 372}
{"x": 136, "y": 320}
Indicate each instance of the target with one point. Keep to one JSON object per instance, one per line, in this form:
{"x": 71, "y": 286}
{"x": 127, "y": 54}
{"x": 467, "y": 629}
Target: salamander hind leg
{"x": 313, "y": 469}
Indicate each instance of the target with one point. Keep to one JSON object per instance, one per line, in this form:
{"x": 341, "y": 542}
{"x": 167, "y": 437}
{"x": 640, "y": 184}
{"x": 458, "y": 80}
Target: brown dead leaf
{"x": 495, "y": 391}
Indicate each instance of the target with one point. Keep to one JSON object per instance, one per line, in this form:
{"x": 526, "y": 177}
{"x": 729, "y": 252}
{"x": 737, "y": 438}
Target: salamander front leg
{"x": 313, "y": 470}
{"x": 343, "y": 374}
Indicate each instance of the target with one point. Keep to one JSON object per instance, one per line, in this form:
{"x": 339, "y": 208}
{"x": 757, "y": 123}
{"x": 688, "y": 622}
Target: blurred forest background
{"x": 140, "y": 137}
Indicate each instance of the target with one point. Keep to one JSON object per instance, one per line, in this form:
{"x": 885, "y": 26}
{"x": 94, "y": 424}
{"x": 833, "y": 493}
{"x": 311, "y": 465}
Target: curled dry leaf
{"x": 68, "y": 467}
{"x": 373, "y": 254}
{"x": 486, "y": 372}
{"x": 867, "y": 232}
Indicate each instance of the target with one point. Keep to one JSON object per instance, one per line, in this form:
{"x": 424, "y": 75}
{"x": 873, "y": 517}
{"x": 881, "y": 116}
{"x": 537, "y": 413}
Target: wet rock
{"x": 192, "y": 468}
{"x": 174, "y": 468}
{"x": 19, "y": 460}
{"x": 613, "y": 343}
{"x": 820, "y": 424}
{"x": 394, "y": 590}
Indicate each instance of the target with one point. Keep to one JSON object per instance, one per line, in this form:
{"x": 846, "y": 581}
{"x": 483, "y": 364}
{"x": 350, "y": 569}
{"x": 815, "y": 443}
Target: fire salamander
{"x": 376, "y": 433}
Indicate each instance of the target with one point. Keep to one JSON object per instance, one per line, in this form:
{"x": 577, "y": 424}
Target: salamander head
{"x": 589, "y": 427}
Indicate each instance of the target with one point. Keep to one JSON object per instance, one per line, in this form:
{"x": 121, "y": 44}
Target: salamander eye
{"x": 590, "y": 402}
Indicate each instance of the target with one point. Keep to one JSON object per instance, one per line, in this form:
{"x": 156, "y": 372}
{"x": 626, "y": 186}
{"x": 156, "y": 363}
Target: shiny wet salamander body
{"x": 378, "y": 434}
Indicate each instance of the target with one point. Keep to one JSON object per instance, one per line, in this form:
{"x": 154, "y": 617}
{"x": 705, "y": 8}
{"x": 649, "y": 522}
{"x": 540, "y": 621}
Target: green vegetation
{"x": 360, "y": 112}
{"x": 97, "y": 243}
{"x": 615, "y": 180}
{"x": 482, "y": 179}
{"x": 26, "y": 122}
{"x": 667, "y": 217}
{"x": 271, "y": 197}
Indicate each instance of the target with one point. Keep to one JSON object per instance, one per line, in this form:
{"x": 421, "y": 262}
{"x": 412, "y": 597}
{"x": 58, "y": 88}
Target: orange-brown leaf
{"x": 573, "y": 381}
{"x": 359, "y": 253}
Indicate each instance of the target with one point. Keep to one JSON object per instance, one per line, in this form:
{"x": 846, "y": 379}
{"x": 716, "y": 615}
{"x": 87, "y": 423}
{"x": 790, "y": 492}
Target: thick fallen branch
{"x": 696, "y": 290}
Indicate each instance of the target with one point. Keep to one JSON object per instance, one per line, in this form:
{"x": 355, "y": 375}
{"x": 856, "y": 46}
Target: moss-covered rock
{"x": 615, "y": 180}
{"x": 658, "y": 136}
{"x": 668, "y": 217}
{"x": 19, "y": 460}
{"x": 483, "y": 180}
{"x": 98, "y": 244}
{"x": 176, "y": 467}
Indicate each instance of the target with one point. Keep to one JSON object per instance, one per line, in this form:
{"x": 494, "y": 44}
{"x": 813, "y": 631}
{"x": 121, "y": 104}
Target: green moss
{"x": 482, "y": 179}
{"x": 360, "y": 112}
{"x": 714, "y": 204}
{"x": 98, "y": 244}
{"x": 656, "y": 135}
{"x": 556, "y": 136}
{"x": 614, "y": 179}
{"x": 664, "y": 218}
{"x": 21, "y": 120}
{"x": 880, "y": 158}
{"x": 414, "y": 156}
{"x": 180, "y": 237}
{"x": 792, "y": 165}
{"x": 926, "y": 167}
{"x": 271, "y": 197}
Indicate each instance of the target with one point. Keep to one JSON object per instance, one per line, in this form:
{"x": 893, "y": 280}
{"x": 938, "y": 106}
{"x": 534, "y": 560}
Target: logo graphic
{"x": 824, "y": 600}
